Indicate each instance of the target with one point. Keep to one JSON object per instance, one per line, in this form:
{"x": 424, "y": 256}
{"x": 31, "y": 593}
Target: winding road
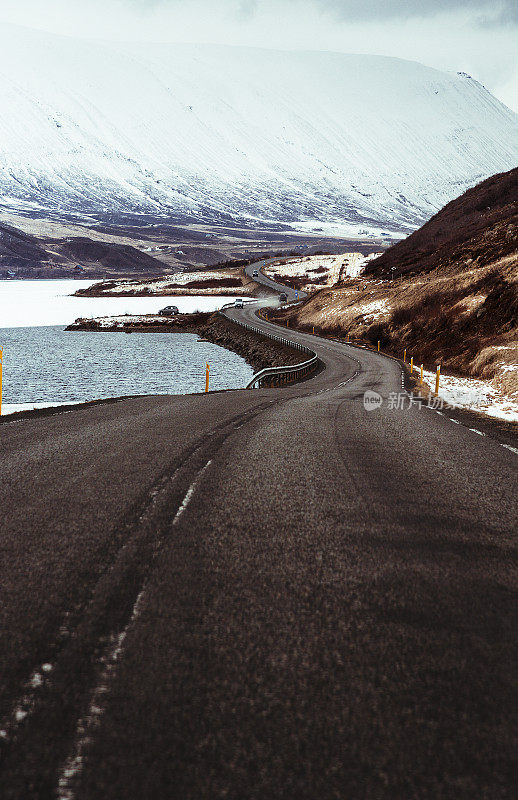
{"x": 258, "y": 594}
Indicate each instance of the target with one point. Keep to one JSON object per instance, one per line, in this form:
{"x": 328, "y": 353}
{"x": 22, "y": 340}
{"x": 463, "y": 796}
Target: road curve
{"x": 258, "y": 594}
{"x": 292, "y": 294}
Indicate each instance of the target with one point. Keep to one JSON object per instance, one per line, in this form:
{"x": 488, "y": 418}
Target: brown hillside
{"x": 18, "y": 249}
{"x": 454, "y": 297}
{"x": 113, "y": 256}
{"x": 459, "y": 232}
{"x": 26, "y": 256}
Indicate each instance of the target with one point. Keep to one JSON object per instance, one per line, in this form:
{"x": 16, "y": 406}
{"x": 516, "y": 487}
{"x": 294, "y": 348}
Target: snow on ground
{"x": 310, "y": 267}
{"x": 476, "y": 395}
{"x": 314, "y": 268}
{"x": 375, "y": 310}
{"x": 119, "y": 322}
{"x": 162, "y": 284}
{"x": 355, "y": 263}
{"x": 350, "y": 230}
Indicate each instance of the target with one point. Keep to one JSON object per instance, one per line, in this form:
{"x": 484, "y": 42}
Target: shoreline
{"x": 150, "y": 323}
{"x": 258, "y": 351}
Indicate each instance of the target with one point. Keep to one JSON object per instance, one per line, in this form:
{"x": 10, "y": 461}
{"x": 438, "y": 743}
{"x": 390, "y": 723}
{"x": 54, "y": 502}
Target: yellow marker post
{"x": 421, "y": 374}
{"x": 286, "y": 323}
{"x": 378, "y": 345}
{"x": 313, "y": 329}
{"x": 207, "y": 372}
{"x": 404, "y": 357}
{"x": 1, "y": 365}
{"x": 437, "y": 377}
{"x": 412, "y": 365}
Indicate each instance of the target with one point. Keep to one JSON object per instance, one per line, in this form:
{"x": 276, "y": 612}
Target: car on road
{"x": 283, "y": 297}
{"x": 168, "y": 311}
{"x": 238, "y": 302}
{"x": 255, "y": 273}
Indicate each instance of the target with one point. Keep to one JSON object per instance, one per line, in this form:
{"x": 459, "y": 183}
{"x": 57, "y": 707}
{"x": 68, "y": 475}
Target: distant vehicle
{"x": 283, "y": 297}
{"x": 168, "y": 311}
{"x": 238, "y": 302}
{"x": 255, "y": 274}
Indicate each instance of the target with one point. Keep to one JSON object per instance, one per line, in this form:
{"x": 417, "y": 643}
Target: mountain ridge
{"x": 238, "y": 135}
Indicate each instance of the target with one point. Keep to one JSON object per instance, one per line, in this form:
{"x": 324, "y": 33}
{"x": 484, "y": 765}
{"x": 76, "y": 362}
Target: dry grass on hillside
{"x": 316, "y": 272}
{"x": 447, "y": 294}
{"x": 225, "y": 282}
{"x": 464, "y": 319}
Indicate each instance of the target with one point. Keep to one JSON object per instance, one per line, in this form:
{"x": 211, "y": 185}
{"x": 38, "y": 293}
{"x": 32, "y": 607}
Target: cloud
{"x": 502, "y": 11}
{"x": 247, "y": 9}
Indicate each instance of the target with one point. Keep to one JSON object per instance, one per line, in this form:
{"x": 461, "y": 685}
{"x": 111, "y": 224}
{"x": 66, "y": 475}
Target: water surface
{"x": 41, "y": 303}
{"x": 45, "y": 365}
{"x": 49, "y": 365}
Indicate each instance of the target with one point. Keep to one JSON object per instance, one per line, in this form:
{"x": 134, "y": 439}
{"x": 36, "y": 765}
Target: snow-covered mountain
{"x": 202, "y": 132}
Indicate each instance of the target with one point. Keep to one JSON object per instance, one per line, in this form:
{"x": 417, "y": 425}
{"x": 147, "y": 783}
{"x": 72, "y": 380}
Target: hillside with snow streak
{"x": 237, "y": 135}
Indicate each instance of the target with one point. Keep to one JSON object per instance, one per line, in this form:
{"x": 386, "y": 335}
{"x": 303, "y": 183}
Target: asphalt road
{"x": 292, "y": 294}
{"x": 258, "y": 594}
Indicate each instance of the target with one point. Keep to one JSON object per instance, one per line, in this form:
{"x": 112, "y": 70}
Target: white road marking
{"x": 508, "y": 447}
{"x": 75, "y": 763}
{"x": 26, "y": 705}
{"x": 475, "y": 431}
{"x": 86, "y": 725}
{"x": 190, "y": 491}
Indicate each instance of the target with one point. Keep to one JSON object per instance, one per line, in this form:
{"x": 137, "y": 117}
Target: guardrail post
{"x": 437, "y": 377}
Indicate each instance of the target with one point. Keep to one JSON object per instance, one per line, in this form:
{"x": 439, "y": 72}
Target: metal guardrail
{"x": 278, "y": 376}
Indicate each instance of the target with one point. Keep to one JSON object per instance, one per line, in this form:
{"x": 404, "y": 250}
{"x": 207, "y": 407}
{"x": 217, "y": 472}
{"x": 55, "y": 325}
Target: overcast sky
{"x": 479, "y": 37}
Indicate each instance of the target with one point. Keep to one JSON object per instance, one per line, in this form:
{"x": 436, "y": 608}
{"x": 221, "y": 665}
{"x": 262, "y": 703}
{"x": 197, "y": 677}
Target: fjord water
{"x": 52, "y": 302}
{"x": 43, "y": 364}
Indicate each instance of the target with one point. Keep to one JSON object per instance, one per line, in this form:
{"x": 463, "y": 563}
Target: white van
{"x": 238, "y": 302}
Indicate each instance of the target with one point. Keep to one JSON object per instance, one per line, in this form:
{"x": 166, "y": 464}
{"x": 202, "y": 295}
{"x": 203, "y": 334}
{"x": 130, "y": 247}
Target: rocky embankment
{"x": 257, "y": 350}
